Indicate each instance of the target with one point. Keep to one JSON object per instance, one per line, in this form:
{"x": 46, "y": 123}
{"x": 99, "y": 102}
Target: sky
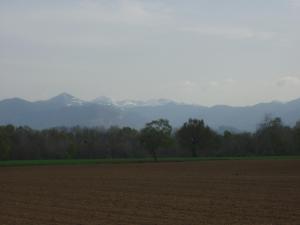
{"x": 207, "y": 52}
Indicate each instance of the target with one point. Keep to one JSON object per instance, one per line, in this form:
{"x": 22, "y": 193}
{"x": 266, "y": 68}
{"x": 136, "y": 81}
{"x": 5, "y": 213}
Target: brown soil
{"x": 212, "y": 192}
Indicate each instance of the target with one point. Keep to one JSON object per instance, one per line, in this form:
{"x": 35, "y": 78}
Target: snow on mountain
{"x": 66, "y": 99}
{"x": 103, "y": 100}
{"x": 158, "y": 102}
{"x": 66, "y": 110}
{"x": 128, "y": 103}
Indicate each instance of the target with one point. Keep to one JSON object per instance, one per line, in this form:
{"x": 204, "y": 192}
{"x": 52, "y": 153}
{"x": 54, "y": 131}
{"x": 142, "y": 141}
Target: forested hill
{"x": 66, "y": 110}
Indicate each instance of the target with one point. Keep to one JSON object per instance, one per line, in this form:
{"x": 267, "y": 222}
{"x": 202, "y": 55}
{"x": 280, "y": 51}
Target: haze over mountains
{"x": 67, "y": 110}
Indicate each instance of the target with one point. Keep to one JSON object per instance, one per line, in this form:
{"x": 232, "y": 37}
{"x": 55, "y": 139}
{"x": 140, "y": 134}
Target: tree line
{"x": 157, "y": 139}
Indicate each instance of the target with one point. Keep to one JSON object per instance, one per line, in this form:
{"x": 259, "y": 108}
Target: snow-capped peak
{"x": 67, "y": 100}
{"x": 103, "y": 100}
{"x": 157, "y": 102}
{"x": 136, "y": 103}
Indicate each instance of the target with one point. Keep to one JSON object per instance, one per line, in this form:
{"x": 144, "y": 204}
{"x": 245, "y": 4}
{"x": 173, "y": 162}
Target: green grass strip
{"x": 126, "y": 161}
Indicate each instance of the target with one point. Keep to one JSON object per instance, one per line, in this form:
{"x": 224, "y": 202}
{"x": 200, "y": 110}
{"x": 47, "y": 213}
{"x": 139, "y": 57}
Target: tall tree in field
{"x": 194, "y": 135}
{"x": 5, "y": 143}
{"x": 297, "y": 137}
{"x": 272, "y": 137}
{"x": 156, "y": 134}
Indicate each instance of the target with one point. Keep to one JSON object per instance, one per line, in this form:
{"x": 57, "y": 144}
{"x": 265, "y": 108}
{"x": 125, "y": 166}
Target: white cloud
{"x": 214, "y": 84}
{"x": 230, "y": 81}
{"x": 230, "y": 32}
{"x": 288, "y": 81}
{"x": 222, "y": 83}
{"x": 189, "y": 84}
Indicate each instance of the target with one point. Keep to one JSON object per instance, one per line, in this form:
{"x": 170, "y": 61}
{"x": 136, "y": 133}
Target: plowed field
{"x": 262, "y": 192}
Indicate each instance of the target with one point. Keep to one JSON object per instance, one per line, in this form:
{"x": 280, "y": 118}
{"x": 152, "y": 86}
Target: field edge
{"x": 10, "y": 163}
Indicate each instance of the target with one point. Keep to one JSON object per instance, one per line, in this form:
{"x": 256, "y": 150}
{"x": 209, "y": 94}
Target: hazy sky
{"x": 208, "y": 52}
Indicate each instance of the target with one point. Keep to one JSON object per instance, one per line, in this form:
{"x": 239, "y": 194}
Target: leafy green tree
{"x": 194, "y": 135}
{"x": 273, "y": 138}
{"x": 236, "y": 144}
{"x": 72, "y": 151}
{"x": 5, "y": 148}
{"x": 297, "y": 137}
{"x": 128, "y": 142}
{"x": 5, "y": 142}
{"x": 156, "y": 134}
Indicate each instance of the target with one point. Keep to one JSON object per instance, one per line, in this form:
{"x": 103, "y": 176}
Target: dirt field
{"x": 209, "y": 192}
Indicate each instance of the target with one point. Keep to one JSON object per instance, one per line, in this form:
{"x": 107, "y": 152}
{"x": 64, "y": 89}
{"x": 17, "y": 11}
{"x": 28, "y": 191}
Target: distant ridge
{"x": 67, "y": 110}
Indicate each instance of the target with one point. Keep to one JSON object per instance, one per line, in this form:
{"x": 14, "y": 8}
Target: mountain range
{"x": 67, "y": 110}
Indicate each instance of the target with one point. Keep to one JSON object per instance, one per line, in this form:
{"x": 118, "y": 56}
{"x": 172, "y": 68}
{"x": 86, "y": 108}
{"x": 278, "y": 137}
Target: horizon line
{"x": 114, "y": 102}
